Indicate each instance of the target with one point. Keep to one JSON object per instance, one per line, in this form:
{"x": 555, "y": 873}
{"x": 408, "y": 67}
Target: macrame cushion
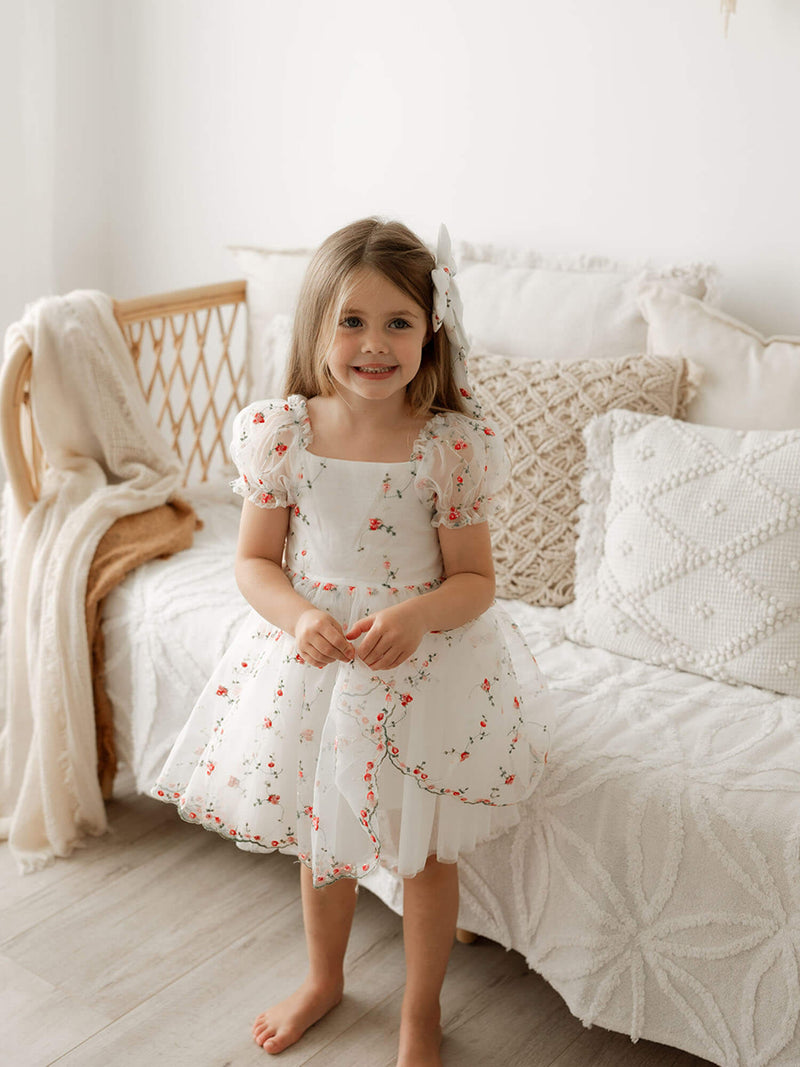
{"x": 541, "y": 408}
{"x": 689, "y": 548}
{"x": 750, "y": 382}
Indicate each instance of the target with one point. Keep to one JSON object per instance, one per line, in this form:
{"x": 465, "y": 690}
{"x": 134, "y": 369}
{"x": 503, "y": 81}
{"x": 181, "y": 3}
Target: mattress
{"x": 654, "y": 876}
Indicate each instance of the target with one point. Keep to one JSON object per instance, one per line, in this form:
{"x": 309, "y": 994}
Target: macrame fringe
{"x": 689, "y": 386}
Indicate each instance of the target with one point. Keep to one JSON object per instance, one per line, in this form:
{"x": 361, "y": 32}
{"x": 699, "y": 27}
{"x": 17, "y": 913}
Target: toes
{"x": 263, "y": 1031}
{"x": 278, "y": 1042}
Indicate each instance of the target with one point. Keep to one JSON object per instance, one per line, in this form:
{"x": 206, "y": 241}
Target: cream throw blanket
{"x": 106, "y": 458}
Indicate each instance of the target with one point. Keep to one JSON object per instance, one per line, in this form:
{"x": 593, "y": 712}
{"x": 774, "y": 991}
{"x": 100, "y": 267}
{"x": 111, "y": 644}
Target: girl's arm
{"x": 260, "y": 577}
{"x": 394, "y": 634}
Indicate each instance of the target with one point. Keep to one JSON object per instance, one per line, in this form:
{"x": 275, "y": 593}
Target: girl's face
{"x": 379, "y": 339}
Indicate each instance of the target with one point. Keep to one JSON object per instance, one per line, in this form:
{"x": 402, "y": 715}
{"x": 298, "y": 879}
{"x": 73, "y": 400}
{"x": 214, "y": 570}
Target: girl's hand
{"x": 392, "y": 635}
{"x": 320, "y": 639}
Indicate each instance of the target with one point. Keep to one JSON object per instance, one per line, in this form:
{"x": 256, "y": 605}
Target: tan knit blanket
{"x": 129, "y": 542}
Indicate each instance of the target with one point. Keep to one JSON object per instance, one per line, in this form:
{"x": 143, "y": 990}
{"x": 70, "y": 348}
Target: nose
{"x": 373, "y": 340}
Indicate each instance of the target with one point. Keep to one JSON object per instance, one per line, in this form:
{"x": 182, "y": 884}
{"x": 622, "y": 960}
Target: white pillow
{"x": 688, "y": 552}
{"x": 273, "y": 280}
{"x": 517, "y": 302}
{"x": 750, "y": 382}
{"x": 529, "y": 306}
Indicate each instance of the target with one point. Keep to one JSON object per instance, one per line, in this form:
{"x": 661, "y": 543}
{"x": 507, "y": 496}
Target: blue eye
{"x": 401, "y": 324}
{"x": 351, "y": 322}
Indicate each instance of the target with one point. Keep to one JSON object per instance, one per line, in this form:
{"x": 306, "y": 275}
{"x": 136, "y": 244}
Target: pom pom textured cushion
{"x": 689, "y": 548}
{"x": 541, "y": 409}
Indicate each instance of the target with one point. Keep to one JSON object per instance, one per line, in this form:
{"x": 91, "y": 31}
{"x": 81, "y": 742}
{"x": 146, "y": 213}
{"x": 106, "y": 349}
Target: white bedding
{"x": 654, "y": 879}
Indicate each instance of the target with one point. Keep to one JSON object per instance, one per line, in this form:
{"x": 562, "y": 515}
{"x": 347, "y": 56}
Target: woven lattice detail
{"x": 541, "y": 408}
{"x": 191, "y": 367}
{"x": 689, "y": 552}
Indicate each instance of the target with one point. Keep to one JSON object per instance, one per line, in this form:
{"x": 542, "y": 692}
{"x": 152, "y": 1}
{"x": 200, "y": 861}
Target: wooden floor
{"x": 159, "y": 943}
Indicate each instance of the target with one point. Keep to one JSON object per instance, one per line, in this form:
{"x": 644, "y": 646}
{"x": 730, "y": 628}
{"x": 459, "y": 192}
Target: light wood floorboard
{"x": 159, "y": 943}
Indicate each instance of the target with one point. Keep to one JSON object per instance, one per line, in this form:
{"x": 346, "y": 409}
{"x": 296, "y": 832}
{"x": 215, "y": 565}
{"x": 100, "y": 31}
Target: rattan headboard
{"x": 188, "y": 348}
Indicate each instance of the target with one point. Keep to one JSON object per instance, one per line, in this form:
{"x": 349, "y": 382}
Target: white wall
{"x": 56, "y": 152}
{"x": 616, "y": 127}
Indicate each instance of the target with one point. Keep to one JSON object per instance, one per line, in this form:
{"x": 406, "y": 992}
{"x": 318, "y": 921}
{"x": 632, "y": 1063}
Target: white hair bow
{"x": 447, "y": 312}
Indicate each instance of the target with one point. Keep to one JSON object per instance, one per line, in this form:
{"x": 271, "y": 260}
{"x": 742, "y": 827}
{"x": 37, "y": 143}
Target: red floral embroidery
{"x": 488, "y": 432}
{"x": 454, "y": 515}
{"x": 266, "y": 498}
{"x": 459, "y": 444}
{"x": 280, "y": 448}
{"x": 374, "y": 524}
{"x": 486, "y": 685}
{"x": 405, "y": 698}
{"x": 222, "y": 691}
{"x": 258, "y": 417}
{"x": 464, "y": 755}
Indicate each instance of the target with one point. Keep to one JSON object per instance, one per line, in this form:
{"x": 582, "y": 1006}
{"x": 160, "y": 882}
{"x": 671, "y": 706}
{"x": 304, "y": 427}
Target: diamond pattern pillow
{"x": 689, "y": 548}
{"x": 541, "y": 408}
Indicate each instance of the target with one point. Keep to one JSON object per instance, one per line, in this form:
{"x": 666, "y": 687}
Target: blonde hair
{"x": 392, "y": 250}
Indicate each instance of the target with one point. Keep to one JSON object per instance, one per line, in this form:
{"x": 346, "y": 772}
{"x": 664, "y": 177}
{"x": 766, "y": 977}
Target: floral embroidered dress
{"x": 344, "y": 767}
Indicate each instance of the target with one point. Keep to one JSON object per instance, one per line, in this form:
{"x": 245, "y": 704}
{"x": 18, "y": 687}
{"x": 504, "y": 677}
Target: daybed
{"x": 654, "y": 877}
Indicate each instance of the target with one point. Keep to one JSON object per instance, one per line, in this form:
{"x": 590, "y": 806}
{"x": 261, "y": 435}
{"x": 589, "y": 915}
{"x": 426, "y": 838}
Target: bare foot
{"x": 285, "y": 1023}
{"x": 420, "y": 1040}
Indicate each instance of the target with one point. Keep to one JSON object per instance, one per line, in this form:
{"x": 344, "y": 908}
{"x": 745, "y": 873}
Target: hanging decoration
{"x": 728, "y": 8}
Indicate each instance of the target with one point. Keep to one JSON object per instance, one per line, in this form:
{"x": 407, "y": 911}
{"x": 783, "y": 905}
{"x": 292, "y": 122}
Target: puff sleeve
{"x": 461, "y": 465}
{"x": 267, "y": 437}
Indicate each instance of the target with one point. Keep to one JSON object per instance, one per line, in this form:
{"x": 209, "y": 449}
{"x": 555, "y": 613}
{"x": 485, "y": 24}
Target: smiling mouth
{"x": 371, "y": 370}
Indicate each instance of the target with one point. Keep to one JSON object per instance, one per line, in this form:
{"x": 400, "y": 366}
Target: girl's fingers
{"x": 360, "y": 627}
{"x": 312, "y": 661}
{"x": 369, "y": 648}
{"x": 334, "y": 646}
{"x": 381, "y": 657}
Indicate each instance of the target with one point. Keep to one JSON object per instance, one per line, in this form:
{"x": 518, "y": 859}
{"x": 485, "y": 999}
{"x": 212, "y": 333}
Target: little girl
{"x": 376, "y": 708}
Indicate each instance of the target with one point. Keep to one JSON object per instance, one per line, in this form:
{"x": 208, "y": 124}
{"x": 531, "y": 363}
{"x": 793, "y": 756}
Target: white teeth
{"x": 374, "y": 370}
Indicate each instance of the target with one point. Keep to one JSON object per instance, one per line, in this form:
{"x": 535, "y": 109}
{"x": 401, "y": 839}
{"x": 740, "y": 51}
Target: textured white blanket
{"x": 105, "y": 458}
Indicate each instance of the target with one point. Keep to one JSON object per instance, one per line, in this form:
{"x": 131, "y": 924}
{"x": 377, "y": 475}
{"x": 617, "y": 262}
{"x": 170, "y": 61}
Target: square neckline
{"x": 308, "y": 438}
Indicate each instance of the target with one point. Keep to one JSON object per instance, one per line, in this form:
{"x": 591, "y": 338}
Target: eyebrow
{"x": 389, "y": 314}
